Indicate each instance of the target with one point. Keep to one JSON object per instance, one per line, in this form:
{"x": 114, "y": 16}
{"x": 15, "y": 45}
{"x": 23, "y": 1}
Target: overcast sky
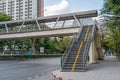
{"x": 54, "y": 7}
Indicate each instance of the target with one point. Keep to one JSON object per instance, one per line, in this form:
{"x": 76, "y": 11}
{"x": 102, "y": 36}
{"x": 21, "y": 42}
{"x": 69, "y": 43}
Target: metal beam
{"x": 6, "y": 28}
{"x": 63, "y": 24}
{"x": 76, "y": 20}
{"x": 56, "y": 22}
{"x": 21, "y": 26}
{"x": 38, "y": 24}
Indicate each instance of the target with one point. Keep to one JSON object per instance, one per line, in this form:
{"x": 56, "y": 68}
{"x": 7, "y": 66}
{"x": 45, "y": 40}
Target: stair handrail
{"x": 74, "y": 39}
{"x": 86, "y": 50}
{"x": 66, "y": 52}
{"x": 88, "y": 42}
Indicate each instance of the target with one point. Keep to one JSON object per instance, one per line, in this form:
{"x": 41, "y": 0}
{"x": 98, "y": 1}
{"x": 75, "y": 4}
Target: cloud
{"x": 57, "y": 8}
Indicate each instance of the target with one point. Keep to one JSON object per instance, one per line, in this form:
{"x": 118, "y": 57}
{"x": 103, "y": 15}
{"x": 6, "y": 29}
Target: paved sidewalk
{"x": 108, "y": 69}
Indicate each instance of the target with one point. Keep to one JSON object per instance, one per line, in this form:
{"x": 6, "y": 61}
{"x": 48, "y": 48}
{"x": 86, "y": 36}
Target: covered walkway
{"x": 108, "y": 69}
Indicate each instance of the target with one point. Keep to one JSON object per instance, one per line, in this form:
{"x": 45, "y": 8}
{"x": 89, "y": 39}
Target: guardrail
{"x": 88, "y": 42}
{"x": 66, "y": 53}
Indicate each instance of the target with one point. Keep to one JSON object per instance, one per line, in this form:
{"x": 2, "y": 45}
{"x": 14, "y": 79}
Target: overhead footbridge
{"x": 41, "y": 33}
{"x": 84, "y": 46}
{"x": 49, "y": 26}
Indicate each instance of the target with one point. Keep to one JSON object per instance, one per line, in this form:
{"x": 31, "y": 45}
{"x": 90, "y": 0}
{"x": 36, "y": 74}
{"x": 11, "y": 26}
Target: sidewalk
{"x": 108, "y": 69}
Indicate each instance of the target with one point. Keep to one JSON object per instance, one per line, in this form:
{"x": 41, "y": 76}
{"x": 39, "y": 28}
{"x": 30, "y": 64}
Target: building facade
{"x": 22, "y": 9}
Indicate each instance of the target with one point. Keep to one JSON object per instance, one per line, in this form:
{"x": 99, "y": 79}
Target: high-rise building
{"x": 22, "y": 9}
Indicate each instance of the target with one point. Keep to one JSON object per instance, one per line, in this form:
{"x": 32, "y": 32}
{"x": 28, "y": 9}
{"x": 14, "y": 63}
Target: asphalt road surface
{"x": 29, "y": 69}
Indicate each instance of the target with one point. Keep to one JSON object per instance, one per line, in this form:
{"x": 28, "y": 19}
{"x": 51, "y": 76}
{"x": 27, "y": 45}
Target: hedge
{"x": 118, "y": 56}
{"x": 23, "y": 57}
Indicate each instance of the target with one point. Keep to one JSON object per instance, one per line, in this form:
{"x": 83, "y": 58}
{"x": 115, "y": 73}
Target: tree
{"x": 111, "y": 7}
{"x": 113, "y": 40}
{"x": 5, "y": 17}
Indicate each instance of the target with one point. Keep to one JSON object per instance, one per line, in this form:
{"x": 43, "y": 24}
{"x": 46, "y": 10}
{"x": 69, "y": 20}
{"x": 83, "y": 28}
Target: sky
{"x": 55, "y": 7}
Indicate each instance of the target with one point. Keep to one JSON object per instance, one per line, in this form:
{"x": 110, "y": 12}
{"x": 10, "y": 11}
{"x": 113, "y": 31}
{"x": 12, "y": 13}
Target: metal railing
{"x": 17, "y": 52}
{"x": 63, "y": 59}
{"x": 88, "y": 42}
{"x": 74, "y": 39}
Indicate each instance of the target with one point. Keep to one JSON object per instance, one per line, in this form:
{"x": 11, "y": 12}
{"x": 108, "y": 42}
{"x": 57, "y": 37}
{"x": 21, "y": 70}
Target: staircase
{"x": 74, "y": 61}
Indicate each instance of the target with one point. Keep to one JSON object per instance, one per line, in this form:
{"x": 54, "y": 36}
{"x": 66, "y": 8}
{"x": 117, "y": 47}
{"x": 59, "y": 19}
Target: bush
{"x": 23, "y": 57}
{"x": 118, "y": 56}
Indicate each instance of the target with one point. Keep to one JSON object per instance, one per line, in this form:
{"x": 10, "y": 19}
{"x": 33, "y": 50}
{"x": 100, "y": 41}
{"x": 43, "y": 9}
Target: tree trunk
{"x": 33, "y": 45}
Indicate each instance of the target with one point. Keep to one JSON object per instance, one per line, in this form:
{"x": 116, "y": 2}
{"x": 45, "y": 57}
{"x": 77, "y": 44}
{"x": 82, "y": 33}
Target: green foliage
{"x": 111, "y": 7}
{"x": 108, "y": 43}
{"x": 112, "y": 41}
{"x": 118, "y": 56}
{"x": 53, "y": 44}
{"x": 4, "y": 17}
{"x": 23, "y": 57}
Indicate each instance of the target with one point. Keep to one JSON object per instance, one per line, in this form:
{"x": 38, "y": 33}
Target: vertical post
{"x": 79, "y": 31}
{"x": 76, "y": 20}
{"x": 63, "y": 24}
{"x": 21, "y": 26}
{"x": 38, "y": 24}
{"x": 6, "y": 28}
{"x": 56, "y": 22}
{"x": 44, "y": 27}
{"x": 92, "y": 53}
{"x": 81, "y": 22}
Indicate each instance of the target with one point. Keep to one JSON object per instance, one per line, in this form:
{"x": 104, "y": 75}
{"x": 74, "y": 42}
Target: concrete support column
{"x": 95, "y": 51}
{"x": 97, "y": 39}
{"x": 99, "y": 50}
{"x": 92, "y": 53}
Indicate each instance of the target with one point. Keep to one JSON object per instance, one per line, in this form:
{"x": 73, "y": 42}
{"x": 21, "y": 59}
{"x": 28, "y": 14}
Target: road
{"x": 29, "y": 69}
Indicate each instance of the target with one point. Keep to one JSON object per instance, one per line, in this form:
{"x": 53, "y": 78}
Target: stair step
{"x": 74, "y": 57}
{"x": 70, "y": 65}
{"x": 76, "y": 64}
{"x": 76, "y": 49}
{"x": 73, "y": 62}
{"x": 81, "y": 53}
{"x": 67, "y": 69}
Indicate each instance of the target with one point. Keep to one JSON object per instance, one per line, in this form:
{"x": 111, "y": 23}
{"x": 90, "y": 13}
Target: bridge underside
{"x": 41, "y": 33}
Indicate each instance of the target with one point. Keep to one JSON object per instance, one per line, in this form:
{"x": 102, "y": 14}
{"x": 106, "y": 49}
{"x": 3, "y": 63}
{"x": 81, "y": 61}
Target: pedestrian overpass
{"x": 39, "y": 27}
{"x": 84, "y": 43}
